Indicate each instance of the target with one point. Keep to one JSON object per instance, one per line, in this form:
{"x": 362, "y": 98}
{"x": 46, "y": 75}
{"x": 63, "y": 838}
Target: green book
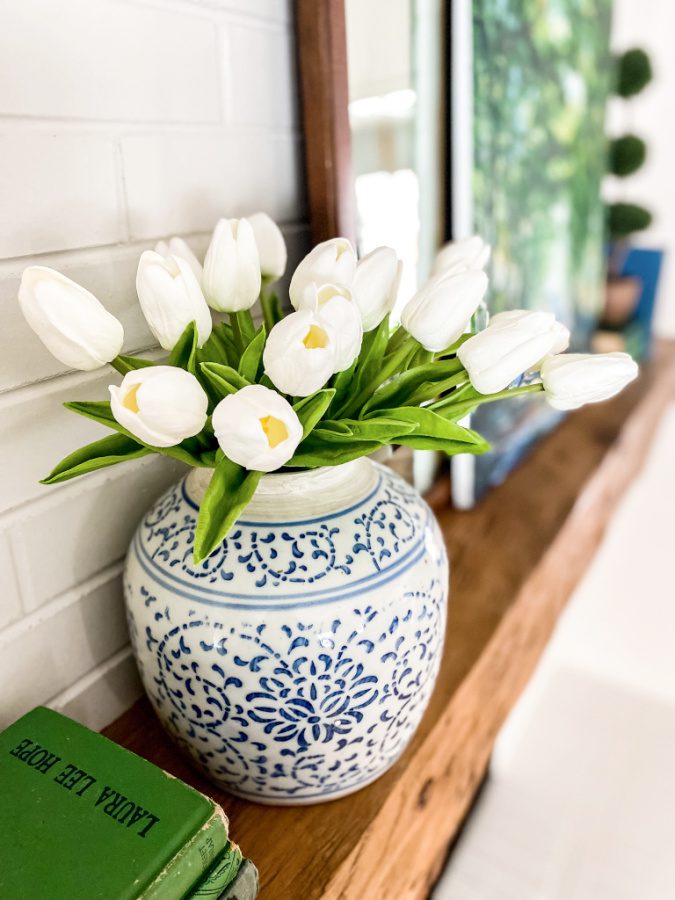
{"x": 81, "y": 817}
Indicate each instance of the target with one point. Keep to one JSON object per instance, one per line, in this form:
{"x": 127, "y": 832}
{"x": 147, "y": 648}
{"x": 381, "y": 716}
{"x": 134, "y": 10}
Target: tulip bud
{"x": 300, "y": 353}
{"x": 271, "y": 246}
{"x": 572, "y": 379}
{"x": 512, "y": 316}
{"x": 159, "y": 405}
{"x": 376, "y": 283}
{"x": 461, "y": 256}
{"x": 257, "y": 428}
{"x": 508, "y": 347}
{"x": 69, "y": 320}
{"x": 171, "y": 298}
{"x": 440, "y": 311}
{"x": 335, "y": 304}
{"x": 177, "y": 247}
{"x": 231, "y": 279}
{"x": 333, "y": 262}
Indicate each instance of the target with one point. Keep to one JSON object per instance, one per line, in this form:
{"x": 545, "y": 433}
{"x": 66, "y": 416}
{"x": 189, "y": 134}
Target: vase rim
{"x": 311, "y": 492}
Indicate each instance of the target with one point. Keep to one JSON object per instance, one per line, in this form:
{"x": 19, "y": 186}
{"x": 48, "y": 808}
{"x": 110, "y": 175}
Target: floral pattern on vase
{"x": 294, "y": 665}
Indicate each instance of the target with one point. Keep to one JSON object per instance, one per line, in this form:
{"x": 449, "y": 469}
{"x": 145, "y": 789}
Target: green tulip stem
{"x": 119, "y": 365}
{"x": 468, "y": 405}
{"x": 235, "y": 321}
{"x": 398, "y": 337}
{"x": 266, "y": 301}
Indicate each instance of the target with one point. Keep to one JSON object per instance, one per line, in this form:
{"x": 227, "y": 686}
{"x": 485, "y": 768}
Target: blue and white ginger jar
{"x": 295, "y": 663}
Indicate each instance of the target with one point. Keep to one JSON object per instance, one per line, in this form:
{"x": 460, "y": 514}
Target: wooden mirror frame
{"x": 324, "y": 93}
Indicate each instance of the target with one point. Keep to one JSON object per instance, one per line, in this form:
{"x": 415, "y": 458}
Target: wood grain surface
{"x": 515, "y": 561}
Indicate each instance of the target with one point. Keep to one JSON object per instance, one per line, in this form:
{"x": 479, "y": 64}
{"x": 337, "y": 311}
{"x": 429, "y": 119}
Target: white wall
{"x": 651, "y": 115}
{"x": 120, "y": 122}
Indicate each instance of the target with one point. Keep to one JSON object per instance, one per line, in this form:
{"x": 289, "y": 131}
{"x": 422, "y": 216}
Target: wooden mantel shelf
{"x": 515, "y": 561}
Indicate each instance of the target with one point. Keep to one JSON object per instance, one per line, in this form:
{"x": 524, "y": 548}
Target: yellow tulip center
{"x": 275, "y": 430}
{"x": 315, "y": 338}
{"x": 130, "y": 400}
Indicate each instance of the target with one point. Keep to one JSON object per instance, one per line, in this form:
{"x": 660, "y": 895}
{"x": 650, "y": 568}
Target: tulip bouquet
{"x": 333, "y": 379}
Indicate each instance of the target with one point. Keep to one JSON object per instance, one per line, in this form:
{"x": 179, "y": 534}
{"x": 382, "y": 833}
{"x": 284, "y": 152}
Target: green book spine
{"x": 108, "y": 824}
{"x": 190, "y": 863}
{"x": 245, "y": 885}
{"x": 220, "y": 875}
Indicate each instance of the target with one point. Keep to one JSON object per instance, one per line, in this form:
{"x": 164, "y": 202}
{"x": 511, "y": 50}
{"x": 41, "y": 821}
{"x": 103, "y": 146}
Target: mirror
{"x": 395, "y": 53}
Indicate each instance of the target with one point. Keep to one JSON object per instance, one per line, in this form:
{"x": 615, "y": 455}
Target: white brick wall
{"x": 121, "y": 121}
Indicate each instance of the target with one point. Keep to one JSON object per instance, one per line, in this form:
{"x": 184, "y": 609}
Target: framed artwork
{"x": 529, "y": 81}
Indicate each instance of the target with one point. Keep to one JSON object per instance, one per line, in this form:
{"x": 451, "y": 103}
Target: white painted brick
{"x": 49, "y": 650}
{"x": 186, "y": 182}
{"x": 58, "y": 191}
{"x": 37, "y": 433}
{"x": 265, "y": 12}
{"x": 94, "y": 524}
{"x": 103, "y": 694}
{"x": 98, "y": 59}
{"x": 249, "y": 51}
{"x": 268, "y": 10}
{"x": 10, "y": 603}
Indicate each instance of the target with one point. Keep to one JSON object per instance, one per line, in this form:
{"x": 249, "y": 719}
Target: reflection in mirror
{"x": 396, "y": 114}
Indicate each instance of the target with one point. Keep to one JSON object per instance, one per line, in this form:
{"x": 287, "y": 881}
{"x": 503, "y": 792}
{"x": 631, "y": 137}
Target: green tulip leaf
{"x": 385, "y": 429}
{"x": 108, "y": 451}
{"x": 251, "y": 358}
{"x": 243, "y": 330}
{"x": 435, "y": 432}
{"x": 216, "y": 349}
{"x": 224, "y": 379}
{"x": 126, "y": 364}
{"x": 314, "y": 452}
{"x": 184, "y": 353}
{"x": 343, "y": 384}
{"x": 310, "y": 409}
{"x": 189, "y": 451}
{"x": 372, "y": 352}
{"x": 449, "y": 447}
{"x": 229, "y": 492}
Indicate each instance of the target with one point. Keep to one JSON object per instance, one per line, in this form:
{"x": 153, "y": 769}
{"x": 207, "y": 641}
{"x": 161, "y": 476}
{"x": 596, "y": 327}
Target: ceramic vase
{"x": 294, "y": 664}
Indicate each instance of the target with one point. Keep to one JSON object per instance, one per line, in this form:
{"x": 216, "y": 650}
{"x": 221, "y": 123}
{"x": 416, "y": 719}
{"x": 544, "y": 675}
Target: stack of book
{"x": 81, "y": 817}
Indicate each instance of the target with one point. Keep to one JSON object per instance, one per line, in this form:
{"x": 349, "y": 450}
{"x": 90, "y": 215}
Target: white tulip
{"x": 176, "y": 246}
{"x": 335, "y": 304}
{"x": 257, "y": 428}
{"x": 508, "y": 347}
{"x": 333, "y": 262}
{"x": 73, "y": 325}
{"x": 159, "y": 405}
{"x": 231, "y": 279}
{"x": 572, "y": 379}
{"x": 171, "y": 298}
{"x": 440, "y": 311}
{"x": 511, "y": 316}
{"x": 300, "y": 353}
{"x": 271, "y": 246}
{"x": 460, "y": 256}
{"x": 376, "y": 283}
